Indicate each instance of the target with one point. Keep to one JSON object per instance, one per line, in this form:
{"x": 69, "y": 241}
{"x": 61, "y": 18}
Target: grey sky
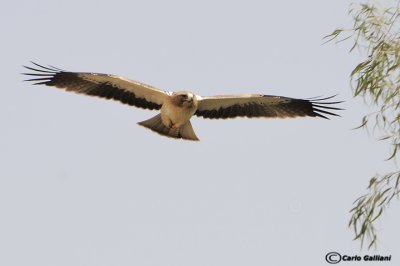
{"x": 82, "y": 184}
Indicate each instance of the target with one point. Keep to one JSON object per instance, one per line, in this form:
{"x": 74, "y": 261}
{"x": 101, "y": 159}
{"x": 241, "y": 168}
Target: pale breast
{"x": 175, "y": 116}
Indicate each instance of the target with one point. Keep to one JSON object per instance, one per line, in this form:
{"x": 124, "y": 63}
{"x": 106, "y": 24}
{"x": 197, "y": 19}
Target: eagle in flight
{"x": 176, "y": 108}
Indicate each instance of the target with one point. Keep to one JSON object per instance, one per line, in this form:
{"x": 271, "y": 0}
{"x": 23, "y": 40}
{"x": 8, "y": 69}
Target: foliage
{"x": 376, "y": 33}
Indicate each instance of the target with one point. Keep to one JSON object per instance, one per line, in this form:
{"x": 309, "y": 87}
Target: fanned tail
{"x": 184, "y": 132}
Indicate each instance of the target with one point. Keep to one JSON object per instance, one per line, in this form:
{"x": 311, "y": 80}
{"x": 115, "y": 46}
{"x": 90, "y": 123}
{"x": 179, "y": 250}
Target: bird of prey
{"x": 176, "y": 108}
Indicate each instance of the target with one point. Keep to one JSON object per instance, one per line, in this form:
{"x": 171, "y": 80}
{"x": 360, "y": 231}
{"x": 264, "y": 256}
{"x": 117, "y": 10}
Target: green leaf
{"x": 371, "y": 182}
{"x": 333, "y": 35}
{"x": 360, "y": 67}
{"x": 377, "y": 216}
{"x": 376, "y": 79}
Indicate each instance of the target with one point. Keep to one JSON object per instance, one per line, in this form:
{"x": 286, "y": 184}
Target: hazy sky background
{"x": 82, "y": 184}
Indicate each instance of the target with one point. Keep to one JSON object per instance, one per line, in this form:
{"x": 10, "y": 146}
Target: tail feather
{"x": 184, "y": 132}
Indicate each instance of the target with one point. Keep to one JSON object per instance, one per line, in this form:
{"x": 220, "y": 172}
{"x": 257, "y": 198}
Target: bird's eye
{"x": 184, "y": 96}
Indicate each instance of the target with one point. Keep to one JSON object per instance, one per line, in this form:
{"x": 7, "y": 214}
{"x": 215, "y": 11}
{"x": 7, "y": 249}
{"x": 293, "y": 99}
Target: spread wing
{"x": 255, "y": 105}
{"x": 102, "y": 85}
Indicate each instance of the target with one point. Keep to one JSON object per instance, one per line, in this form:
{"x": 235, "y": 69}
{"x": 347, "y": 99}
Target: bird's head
{"x": 184, "y": 99}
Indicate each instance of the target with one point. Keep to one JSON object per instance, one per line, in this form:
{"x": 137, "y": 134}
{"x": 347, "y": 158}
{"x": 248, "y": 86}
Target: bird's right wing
{"x": 102, "y": 85}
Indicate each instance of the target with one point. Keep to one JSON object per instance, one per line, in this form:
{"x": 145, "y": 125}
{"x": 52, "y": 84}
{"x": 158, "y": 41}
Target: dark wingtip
{"x": 44, "y": 69}
{"x": 322, "y": 116}
{"x": 323, "y": 108}
{"x": 40, "y": 74}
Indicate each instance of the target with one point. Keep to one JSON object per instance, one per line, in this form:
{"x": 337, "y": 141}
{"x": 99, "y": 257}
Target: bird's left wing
{"x": 102, "y": 85}
{"x": 256, "y": 105}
